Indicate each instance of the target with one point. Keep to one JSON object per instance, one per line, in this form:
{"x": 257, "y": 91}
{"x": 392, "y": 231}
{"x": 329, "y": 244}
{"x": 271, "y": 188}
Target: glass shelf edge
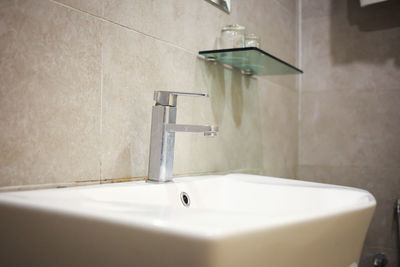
{"x": 233, "y": 50}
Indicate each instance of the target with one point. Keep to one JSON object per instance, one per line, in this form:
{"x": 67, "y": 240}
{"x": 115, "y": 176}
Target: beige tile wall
{"x": 50, "y": 65}
{"x": 350, "y": 107}
{"x": 280, "y": 123}
{"x": 77, "y": 79}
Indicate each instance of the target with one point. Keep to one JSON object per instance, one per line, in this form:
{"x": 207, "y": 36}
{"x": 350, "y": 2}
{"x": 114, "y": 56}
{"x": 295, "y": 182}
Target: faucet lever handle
{"x": 168, "y": 98}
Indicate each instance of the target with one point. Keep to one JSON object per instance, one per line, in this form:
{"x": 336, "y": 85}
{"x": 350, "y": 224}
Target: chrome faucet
{"x": 163, "y": 128}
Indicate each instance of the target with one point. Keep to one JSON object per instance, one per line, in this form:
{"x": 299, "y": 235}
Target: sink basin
{"x": 232, "y": 220}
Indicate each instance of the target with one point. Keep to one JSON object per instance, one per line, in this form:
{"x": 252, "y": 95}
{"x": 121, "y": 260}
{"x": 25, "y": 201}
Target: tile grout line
{"x": 299, "y": 82}
{"x": 124, "y": 26}
{"x": 101, "y": 103}
{"x": 139, "y": 32}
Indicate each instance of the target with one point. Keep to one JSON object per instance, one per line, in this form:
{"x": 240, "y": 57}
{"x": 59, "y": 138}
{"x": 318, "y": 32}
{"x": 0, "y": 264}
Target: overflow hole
{"x": 185, "y": 199}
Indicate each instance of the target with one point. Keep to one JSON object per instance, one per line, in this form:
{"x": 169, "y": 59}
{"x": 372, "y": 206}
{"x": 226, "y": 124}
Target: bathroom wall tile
{"x": 279, "y": 109}
{"x": 350, "y": 128}
{"x": 284, "y": 31}
{"x": 196, "y": 25}
{"x": 279, "y": 32}
{"x": 135, "y": 66}
{"x": 323, "y": 8}
{"x": 340, "y": 54}
{"x": 234, "y": 108}
{"x": 280, "y": 27}
{"x": 129, "y": 58}
{"x": 315, "y": 8}
{"x": 61, "y": 48}
{"x": 290, "y": 5}
{"x": 94, "y": 7}
{"x": 193, "y": 25}
{"x": 49, "y": 94}
{"x": 285, "y": 81}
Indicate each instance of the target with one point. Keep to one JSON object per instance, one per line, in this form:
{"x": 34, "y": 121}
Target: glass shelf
{"x": 251, "y": 60}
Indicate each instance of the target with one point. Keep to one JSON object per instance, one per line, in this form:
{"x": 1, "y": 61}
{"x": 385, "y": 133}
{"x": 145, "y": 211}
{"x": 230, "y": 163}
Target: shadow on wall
{"x": 360, "y": 34}
{"x": 213, "y": 77}
{"x": 234, "y": 107}
{"x": 237, "y": 97}
{"x": 219, "y": 79}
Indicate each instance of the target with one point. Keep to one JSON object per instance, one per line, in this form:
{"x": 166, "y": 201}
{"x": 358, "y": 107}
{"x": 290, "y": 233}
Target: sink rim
{"x": 204, "y": 235}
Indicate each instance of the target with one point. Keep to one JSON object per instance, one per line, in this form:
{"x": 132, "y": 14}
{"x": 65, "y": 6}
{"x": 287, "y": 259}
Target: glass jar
{"x": 232, "y": 36}
{"x": 252, "y": 40}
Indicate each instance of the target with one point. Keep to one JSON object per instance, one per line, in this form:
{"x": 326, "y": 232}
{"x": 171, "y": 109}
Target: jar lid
{"x": 233, "y": 27}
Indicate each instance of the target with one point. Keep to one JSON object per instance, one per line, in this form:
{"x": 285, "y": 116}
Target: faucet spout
{"x": 208, "y": 130}
{"x": 163, "y": 129}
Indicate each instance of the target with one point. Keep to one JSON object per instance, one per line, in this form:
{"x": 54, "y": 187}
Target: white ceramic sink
{"x": 232, "y": 220}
